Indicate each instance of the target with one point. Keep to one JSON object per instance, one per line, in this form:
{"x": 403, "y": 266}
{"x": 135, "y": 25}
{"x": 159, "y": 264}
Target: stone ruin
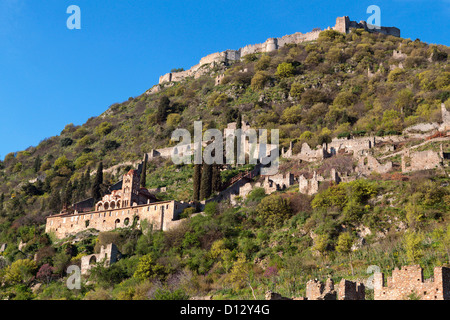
{"x": 409, "y": 281}
{"x": 369, "y": 164}
{"x": 311, "y": 186}
{"x": 404, "y": 284}
{"x": 343, "y": 25}
{"x": 108, "y": 255}
{"x": 421, "y": 160}
{"x": 317, "y": 290}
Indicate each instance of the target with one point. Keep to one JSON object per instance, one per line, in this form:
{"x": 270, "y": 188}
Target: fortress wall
{"x": 343, "y": 24}
{"x": 409, "y": 280}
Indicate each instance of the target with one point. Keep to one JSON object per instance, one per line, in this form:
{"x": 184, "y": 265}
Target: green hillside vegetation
{"x": 312, "y": 92}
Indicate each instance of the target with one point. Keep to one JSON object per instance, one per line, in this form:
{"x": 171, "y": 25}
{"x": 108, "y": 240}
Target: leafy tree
{"x": 103, "y": 129}
{"x": 173, "y": 119}
{"x": 45, "y": 273}
{"x": 413, "y": 246}
{"x": 292, "y": 114}
{"x": 147, "y": 269}
{"x": 297, "y": 89}
{"x": 273, "y": 210}
{"x": 263, "y": 63}
{"x": 344, "y": 245}
{"x": 20, "y": 271}
{"x": 259, "y": 80}
{"x": 285, "y": 70}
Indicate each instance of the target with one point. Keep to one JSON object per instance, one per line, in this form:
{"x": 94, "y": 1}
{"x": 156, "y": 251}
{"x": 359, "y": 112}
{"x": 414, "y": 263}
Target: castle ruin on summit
{"x": 343, "y": 25}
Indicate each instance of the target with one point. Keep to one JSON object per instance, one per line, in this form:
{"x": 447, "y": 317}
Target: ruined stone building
{"x": 421, "y": 160}
{"x": 409, "y": 281}
{"x": 119, "y": 209}
{"x": 108, "y": 255}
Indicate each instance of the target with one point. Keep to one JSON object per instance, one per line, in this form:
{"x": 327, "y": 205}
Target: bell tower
{"x": 130, "y": 188}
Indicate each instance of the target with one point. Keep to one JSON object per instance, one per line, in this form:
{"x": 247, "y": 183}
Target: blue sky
{"x": 51, "y": 76}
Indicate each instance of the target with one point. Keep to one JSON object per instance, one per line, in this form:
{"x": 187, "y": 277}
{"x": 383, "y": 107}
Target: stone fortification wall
{"x": 409, "y": 281}
{"x": 343, "y": 24}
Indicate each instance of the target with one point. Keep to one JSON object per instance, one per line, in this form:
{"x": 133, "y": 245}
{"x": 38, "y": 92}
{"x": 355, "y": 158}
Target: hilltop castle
{"x": 343, "y": 24}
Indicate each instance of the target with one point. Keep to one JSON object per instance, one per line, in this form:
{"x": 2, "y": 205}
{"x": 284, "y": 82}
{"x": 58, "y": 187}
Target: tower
{"x": 342, "y": 24}
{"x": 130, "y": 188}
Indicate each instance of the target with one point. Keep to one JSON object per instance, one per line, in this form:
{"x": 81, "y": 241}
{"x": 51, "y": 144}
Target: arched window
{"x": 92, "y": 260}
{"x": 116, "y": 223}
{"x": 126, "y": 222}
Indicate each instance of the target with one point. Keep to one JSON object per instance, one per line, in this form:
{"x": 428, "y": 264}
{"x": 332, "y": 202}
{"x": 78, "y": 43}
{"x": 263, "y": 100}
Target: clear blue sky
{"x": 51, "y": 76}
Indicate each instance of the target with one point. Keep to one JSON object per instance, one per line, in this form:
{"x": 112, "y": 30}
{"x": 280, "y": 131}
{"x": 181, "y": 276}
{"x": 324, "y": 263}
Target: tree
{"x": 285, "y": 70}
{"x": 173, "y": 119}
{"x": 259, "y": 80}
{"x": 147, "y": 269}
{"x": 292, "y": 114}
{"x": 67, "y": 195}
{"x": 413, "y": 246}
{"x": 163, "y": 107}
{"x": 45, "y": 273}
{"x": 344, "y": 245}
{"x": 55, "y": 201}
{"x": 197, "y": 181}
{"x": 20, "y": 271}
{"x": 205, "y": 185}
{"x": 97, "y": 186}
{"x": 103, "y": 129}
{"x": 144, "y": 171}
{"x": 216, "y": 178}
{"x": 273, "y": 210}
{"x": 37, "y": 164}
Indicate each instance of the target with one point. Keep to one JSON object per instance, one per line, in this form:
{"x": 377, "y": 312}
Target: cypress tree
{"x": 67, "y": 195}
{"x": 55, "y": 201}
{"x": 87, "y": 178}
{"x": 144, "y": 172}
{"x": 216, "y": 179}
{"x": 237, "y": 141}
{"x": 2, "y": 200}
{"x": 163, "y": 107}
{"x": 37, "y": 164}
{"x": 197, "y": 178}
{"x": 205, "y": 186}
{"x": 97, "y": 186}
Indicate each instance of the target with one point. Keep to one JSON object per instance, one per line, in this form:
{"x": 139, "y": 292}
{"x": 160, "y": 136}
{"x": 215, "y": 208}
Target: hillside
{"x": 358, "y": 84}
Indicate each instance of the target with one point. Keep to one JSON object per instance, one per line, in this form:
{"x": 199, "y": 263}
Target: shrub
{"x": 103, "y": 129}
{"x": 173, "y": 119}
{"x": 263, "y": 63}
{"x": 65, "y": 142}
